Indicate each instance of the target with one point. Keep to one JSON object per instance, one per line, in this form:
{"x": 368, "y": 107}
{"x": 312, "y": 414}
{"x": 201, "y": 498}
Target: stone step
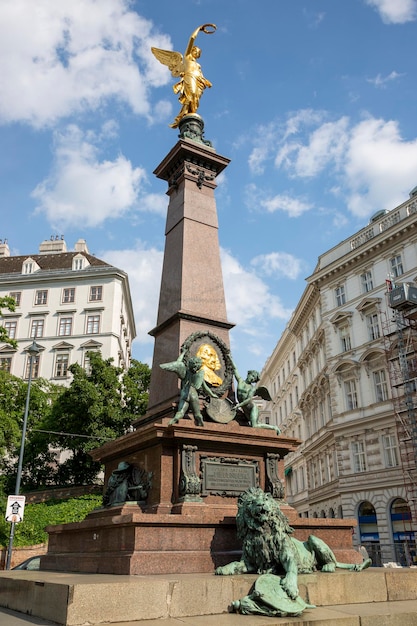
{"x": 368, "y": 614}
{"x": 78, "y": 599}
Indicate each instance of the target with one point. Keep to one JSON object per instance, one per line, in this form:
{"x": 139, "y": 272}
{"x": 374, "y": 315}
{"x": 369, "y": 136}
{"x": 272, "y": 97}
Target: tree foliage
{"x": 32, "y": 530}
{"x": 135, "y": 388}
{"x": 97, "y": 407}
{"x": 6, "y": 303}
{"x": 13, "y": 393}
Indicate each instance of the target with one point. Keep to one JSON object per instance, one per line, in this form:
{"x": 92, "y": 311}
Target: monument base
{"x": 127, "y": 541}
{"x": 187, "y": 523}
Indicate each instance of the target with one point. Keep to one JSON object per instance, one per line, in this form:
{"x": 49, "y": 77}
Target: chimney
{"x": 4, "y": 248}
{"x": 81, "y": 246}
{"x": 54, "y": 245}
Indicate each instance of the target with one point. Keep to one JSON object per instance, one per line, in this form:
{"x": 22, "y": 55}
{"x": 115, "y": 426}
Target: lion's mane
{"x": 264, "y": 531}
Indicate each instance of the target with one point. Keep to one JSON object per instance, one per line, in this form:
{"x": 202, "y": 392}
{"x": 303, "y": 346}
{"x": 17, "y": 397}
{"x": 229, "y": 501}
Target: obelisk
{"x": 192, "y": 291}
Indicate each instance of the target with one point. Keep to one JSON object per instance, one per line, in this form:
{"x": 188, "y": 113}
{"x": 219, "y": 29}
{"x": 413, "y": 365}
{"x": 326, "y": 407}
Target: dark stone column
{"x": 192, "y": 292}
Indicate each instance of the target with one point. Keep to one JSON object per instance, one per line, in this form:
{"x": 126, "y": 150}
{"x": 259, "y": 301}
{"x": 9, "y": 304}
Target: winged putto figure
{"x": 192, "y": 382}
{"x": 246, "y": 392}
{"x": 192, "y": 82}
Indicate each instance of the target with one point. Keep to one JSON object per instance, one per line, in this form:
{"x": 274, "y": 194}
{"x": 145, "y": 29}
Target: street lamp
{"x": 33, "y": 352}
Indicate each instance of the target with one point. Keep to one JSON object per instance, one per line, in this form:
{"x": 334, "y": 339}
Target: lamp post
{"x": 33, "y": 352}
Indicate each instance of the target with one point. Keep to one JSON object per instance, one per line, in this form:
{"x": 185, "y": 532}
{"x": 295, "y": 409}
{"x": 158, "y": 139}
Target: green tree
{"x": 13, "y": 393}
{"x": 7, "y": 303}
{"x": 135, "y": 388}
{"x": 98, "y": 406}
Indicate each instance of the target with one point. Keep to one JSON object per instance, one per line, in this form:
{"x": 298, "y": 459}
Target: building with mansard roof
{"x": 343, "y": 381}
{"x": 70, "y": 302}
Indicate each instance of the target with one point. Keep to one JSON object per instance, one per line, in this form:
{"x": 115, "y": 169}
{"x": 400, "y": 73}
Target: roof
{"x": 56, "y": 261}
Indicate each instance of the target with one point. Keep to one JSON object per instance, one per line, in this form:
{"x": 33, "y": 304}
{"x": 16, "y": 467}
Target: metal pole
{"x": 33, "y": 352}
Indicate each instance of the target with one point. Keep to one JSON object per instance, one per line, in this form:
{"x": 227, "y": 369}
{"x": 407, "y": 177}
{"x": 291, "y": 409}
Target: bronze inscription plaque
{"x": 228, "y": 477}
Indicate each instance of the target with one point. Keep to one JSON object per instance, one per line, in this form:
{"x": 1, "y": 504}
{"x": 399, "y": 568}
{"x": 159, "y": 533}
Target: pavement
{"x": 12, "y": 618}
{"x": 402, "y": 613}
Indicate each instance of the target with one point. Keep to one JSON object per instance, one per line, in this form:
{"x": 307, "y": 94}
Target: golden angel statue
{"x": 192, "y": 82}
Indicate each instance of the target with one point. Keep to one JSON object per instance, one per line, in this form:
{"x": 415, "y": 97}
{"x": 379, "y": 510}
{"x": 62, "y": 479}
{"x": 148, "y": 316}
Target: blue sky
{"x": 314, "y": 102}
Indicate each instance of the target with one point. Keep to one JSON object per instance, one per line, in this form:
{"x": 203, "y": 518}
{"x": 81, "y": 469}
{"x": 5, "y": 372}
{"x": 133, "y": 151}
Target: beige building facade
{"x": 331, "y": 377}
{"x": 69, "y": 302}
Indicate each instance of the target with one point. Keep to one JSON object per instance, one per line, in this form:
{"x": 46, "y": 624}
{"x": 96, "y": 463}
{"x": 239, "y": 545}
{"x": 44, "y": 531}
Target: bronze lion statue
{"x": 269, "y": 548}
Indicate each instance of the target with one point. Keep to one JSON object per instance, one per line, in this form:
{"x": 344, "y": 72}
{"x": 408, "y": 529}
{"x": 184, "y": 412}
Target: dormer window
{"x": 29, "y": 266}
{"x": 79, "y": 262}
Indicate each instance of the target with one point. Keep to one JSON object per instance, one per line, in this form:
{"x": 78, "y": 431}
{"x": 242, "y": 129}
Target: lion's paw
{"x": 289, "y": 584}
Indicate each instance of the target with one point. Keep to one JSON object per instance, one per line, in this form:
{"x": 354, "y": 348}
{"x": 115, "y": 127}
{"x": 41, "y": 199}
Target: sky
{"x": 314, "y": 102}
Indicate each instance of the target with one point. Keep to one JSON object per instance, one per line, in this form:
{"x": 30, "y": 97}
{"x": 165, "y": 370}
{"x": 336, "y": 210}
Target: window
{"x": 381, "y": 387}
{"x": 61, "y": 365}
{"x": 359, "y": 458}
{"x": 65, "y": 326}
{"x": 87, "y": 363}
{"x": 345, "y": 338}
{"x": 35, "y": 367}
{"x": 10, "y": 328}
{"x": 28, "y": 268}
{"x": 37, "y": 328}
{"x": 5, "y": 363}
{"x": 93, "y": 324}
{"x": 389, "y": 443}
{"x": 68, "y": 295}
{"x": 340, "y": 295}
{"x": 397, "y": 265}
{"x": 16, "y": 295}
{"x": 96, "y": 293}
{"x": 351, "y": 395}
{"x": 41, "y": 296}
{"x": 78, "y": 263}
{"x": 373, "y": 326}
{"x": 367, "y": 282}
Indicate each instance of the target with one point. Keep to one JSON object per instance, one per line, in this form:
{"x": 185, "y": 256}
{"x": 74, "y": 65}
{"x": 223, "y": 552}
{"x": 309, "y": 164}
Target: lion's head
{"x": 257, "y": 509}
{"x": 263, "y": 529}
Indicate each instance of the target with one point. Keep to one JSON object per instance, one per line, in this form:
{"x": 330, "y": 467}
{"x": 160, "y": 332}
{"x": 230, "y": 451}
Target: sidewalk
{"x": 12, "y": 618}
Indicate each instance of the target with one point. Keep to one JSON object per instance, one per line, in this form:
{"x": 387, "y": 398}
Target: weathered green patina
{"x": 192, "y": 382}
{"x": 268, "y": 548}
{"x": 246, "y": 392}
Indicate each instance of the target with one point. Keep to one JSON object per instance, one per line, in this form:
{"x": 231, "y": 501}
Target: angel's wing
{"x": 172, "y": 59}
{"x": 175, "y": 366}
{"x": 263, "y": 393}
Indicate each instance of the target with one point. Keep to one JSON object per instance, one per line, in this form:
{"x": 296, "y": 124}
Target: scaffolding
{"x": 400, "y": 337}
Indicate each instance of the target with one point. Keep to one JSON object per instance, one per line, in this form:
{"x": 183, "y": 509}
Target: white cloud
{"x": 381, "y": 81}
{"x": 369, "y": 164}
{"x": 326, "y": 144}
{"x": 395, "y": 11}
{"x": 82, "y": 190}
{"x": 248, "y": 298}
{"x": 279, "y": 265}
{"x": 143, "y": 266}
{"x": 94, "y": 51}
{"x": 294, "y": 207}
{"x": 380, "y": 167}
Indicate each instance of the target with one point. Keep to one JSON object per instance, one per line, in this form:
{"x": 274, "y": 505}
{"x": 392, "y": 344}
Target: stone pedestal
{"x": 187, "y": 523}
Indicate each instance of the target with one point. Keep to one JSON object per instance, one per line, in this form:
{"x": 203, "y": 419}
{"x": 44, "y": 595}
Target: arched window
{"x": 402, "y": 533}
{"x": 331, "y": 513}
{"x": 368, "y": 531}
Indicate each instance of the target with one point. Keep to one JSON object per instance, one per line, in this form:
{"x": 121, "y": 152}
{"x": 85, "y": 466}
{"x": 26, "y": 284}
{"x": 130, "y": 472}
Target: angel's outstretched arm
{"x": 192, "y": 40}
